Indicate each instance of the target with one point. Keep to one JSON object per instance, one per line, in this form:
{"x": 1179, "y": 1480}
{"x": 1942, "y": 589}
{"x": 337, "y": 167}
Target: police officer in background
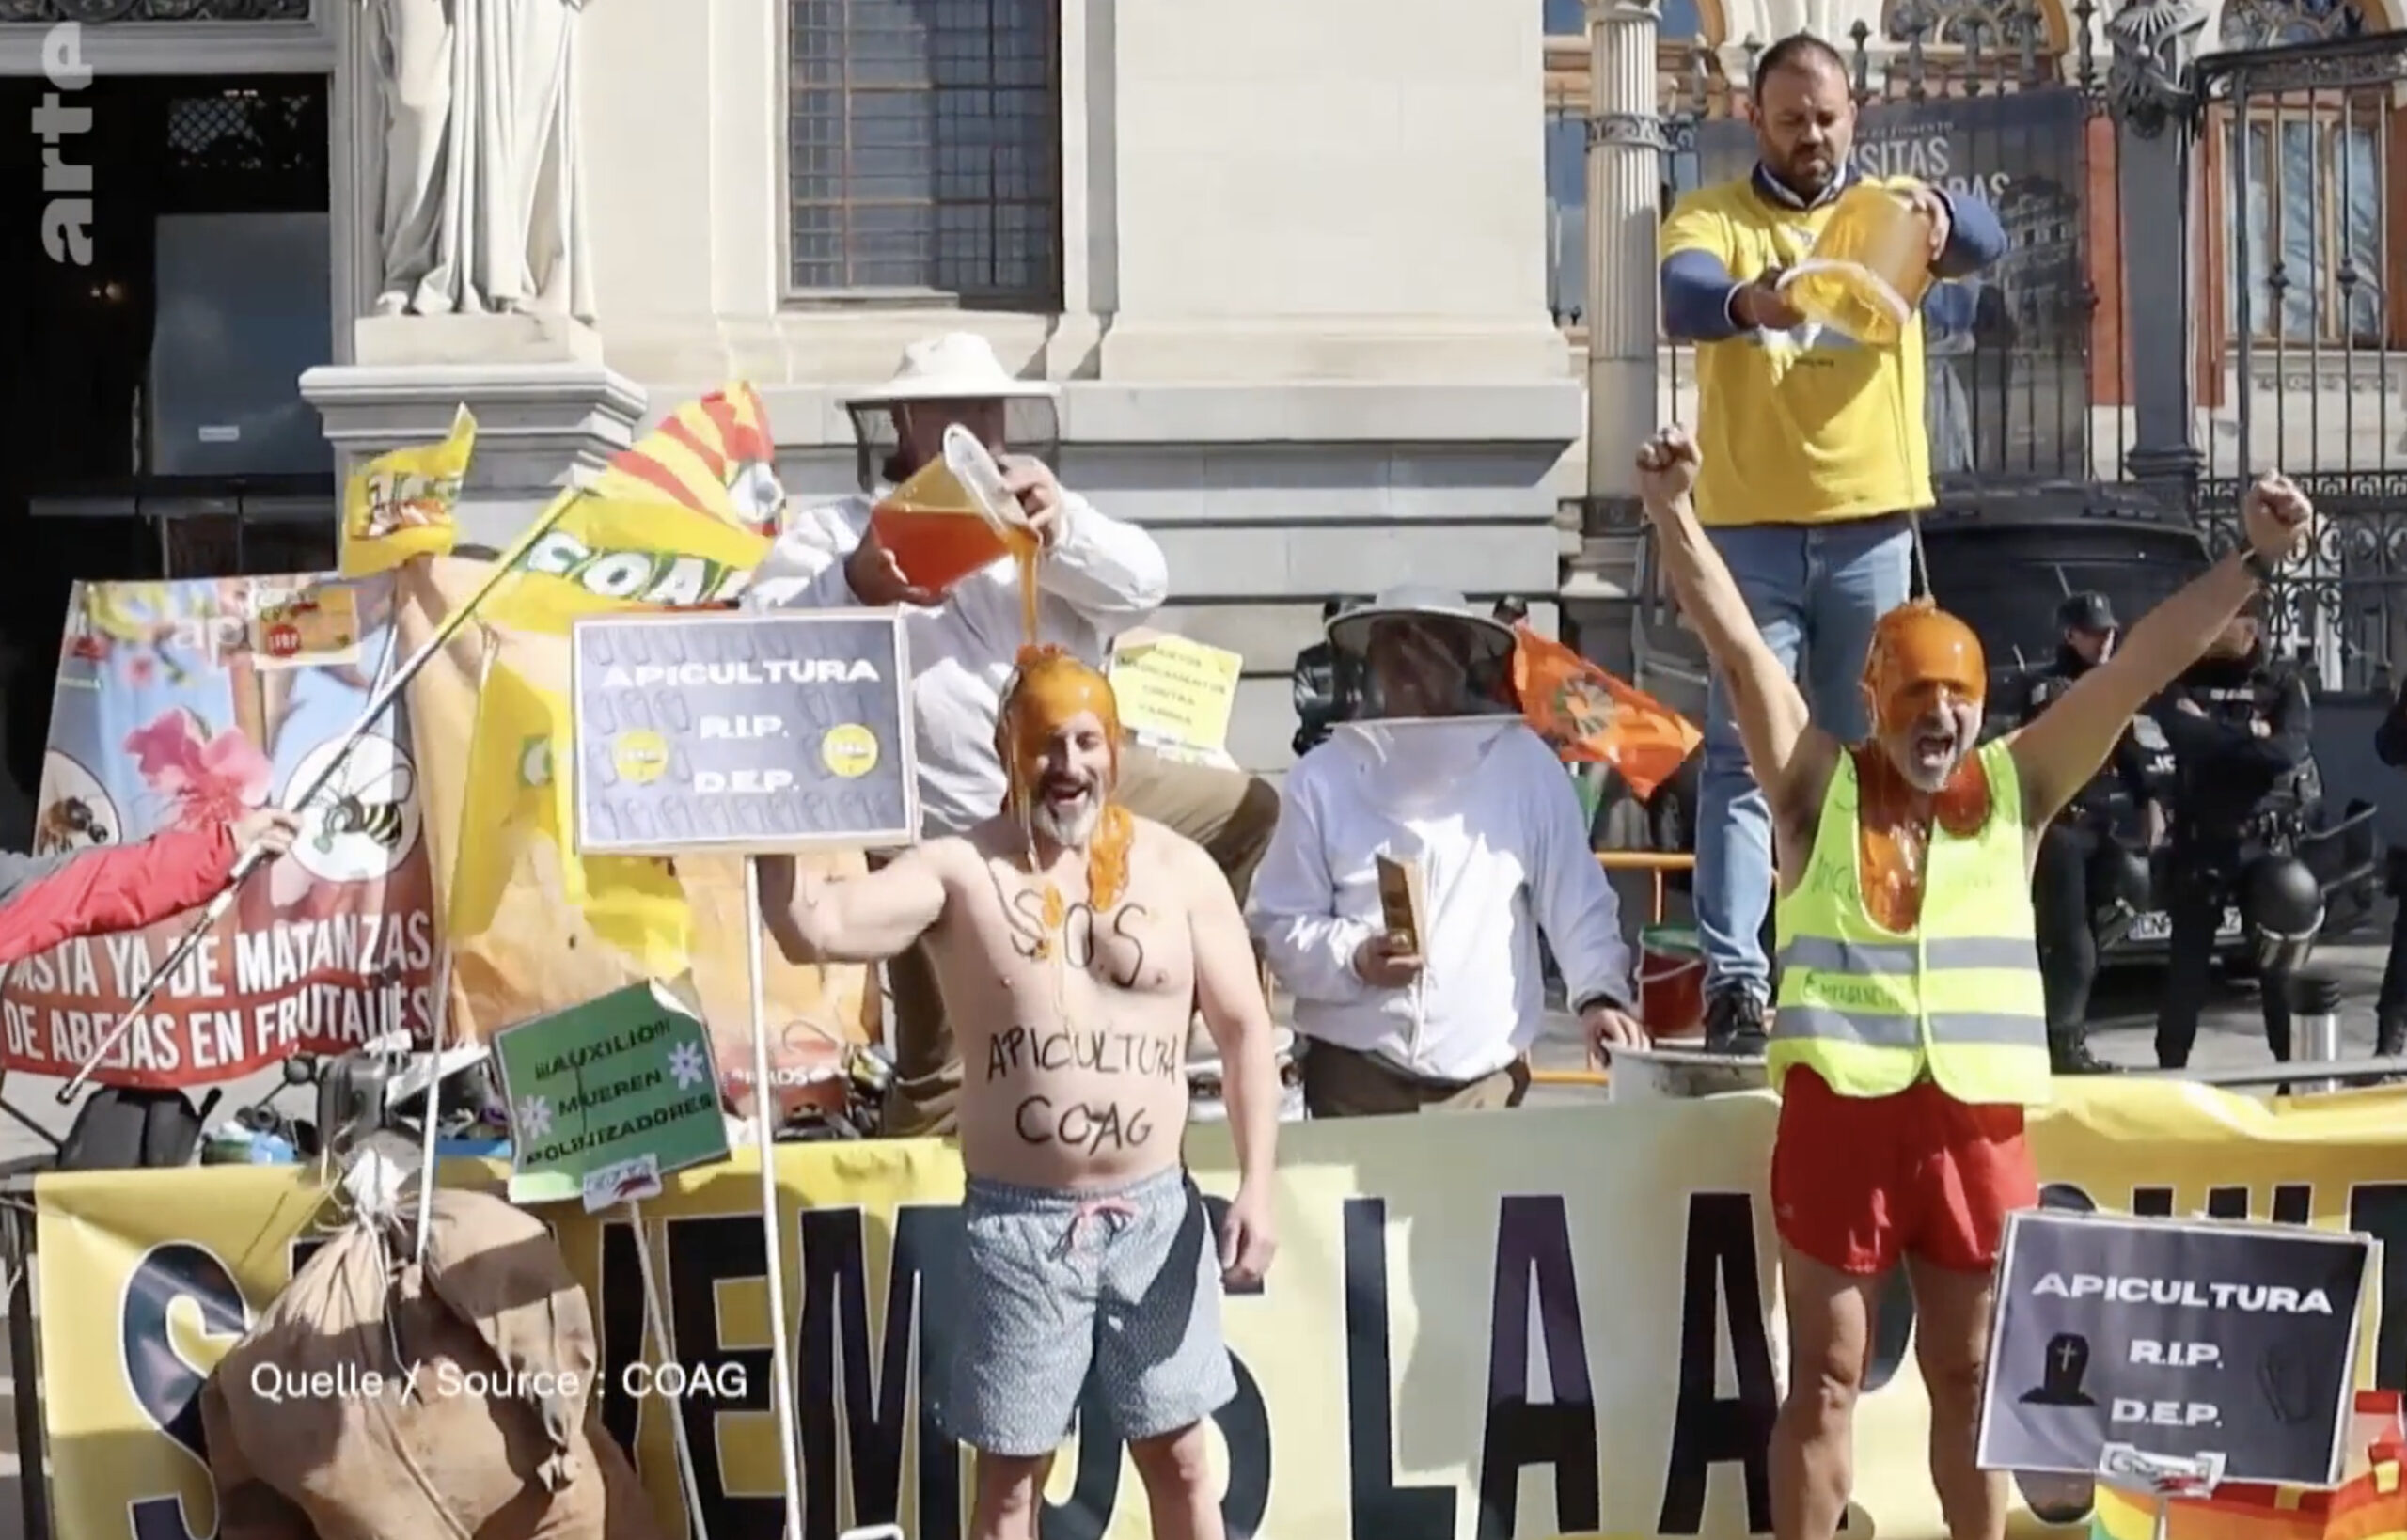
{"x": 2237, "y": 721}
{"x": 2083, "y": 866}
{"x": 1325, "y": 685}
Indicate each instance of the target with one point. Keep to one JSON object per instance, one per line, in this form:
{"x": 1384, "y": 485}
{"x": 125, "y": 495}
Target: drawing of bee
{"x": 378, "y": 811}
{"x": 69, "y": 823}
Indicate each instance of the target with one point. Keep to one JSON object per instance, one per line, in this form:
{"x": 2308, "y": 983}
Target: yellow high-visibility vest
{"x": 1871, "y": 1010}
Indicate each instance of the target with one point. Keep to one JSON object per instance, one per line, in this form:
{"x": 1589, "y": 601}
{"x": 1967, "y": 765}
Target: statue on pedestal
{"x": 481, "y": 208}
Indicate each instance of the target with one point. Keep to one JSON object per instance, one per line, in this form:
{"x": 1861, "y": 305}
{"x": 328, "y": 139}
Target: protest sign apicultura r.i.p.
{"x": 2179, "y": 1341}
{"x": 186, "y": 704}
{"x": 748, "y": 733}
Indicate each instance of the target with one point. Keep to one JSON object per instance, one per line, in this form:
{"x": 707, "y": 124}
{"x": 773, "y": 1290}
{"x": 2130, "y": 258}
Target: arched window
{"x": 2268, "y": 24}
{"x": 1995, "y": 25}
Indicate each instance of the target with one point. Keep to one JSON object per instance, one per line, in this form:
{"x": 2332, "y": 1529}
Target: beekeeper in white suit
{"x": 1099, "y": 577}
{"x": 1435, "y": 773}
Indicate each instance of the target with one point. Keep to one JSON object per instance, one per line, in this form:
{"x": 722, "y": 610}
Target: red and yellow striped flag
{"x": 714, "y": 456}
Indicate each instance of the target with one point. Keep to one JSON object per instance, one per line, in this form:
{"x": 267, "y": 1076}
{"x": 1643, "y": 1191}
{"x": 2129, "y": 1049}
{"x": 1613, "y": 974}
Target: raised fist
{"x": 2276, "y": 517}
{"x": 1667, "y": 468}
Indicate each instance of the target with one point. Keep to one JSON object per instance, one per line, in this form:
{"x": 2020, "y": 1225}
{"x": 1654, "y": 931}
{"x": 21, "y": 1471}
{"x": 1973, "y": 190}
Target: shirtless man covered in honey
{"x": 1910, "y": 1030}
{"x": 1072, "y": 942}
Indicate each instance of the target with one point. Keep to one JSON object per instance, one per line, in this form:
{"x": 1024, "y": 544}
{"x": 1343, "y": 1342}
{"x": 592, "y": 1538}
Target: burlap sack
{"x": 375, "y": 1401}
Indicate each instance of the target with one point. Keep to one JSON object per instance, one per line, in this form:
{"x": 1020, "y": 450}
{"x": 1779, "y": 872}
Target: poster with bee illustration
{"x": 183, "y": 705}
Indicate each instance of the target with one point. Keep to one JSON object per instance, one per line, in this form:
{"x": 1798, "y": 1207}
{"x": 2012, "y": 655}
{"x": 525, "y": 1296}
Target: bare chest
{"x": 1037, "y": 937}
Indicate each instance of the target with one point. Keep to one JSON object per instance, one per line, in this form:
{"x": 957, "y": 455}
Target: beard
{"x": 1065, "y": 812}
{"x": 1932, "y": 752}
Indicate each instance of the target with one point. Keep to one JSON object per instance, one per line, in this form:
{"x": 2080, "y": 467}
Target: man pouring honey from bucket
{"x": 961, "y": 521}
{"x": 1802, "y": 286}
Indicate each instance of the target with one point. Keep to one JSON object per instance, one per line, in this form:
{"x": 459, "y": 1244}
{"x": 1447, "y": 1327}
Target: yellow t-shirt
{"x": 1797, "y": 428}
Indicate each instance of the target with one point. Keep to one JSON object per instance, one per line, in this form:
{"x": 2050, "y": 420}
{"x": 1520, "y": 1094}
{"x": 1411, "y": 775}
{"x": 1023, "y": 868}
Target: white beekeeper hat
{"x": 1490, "y": 639}
{"x": 958, "y": 366}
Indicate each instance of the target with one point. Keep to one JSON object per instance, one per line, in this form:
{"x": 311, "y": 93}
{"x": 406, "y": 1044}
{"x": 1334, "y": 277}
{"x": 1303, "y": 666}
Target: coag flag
{"x": 532, "y": 927}
{"x": 399, "y": 504}
{"x": 1590, "y": 717}
{"x": 604, "y": 556}
{"x": 661, "y": 527}
{"x": 609, "y": 555}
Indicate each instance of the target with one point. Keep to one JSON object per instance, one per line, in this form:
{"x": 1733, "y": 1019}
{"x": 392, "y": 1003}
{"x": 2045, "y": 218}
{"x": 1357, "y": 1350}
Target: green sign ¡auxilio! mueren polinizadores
{"x": 622, "y": 1081}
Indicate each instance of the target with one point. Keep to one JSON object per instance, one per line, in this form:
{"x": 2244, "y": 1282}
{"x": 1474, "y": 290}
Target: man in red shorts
{"x": 1910, "y": 1029}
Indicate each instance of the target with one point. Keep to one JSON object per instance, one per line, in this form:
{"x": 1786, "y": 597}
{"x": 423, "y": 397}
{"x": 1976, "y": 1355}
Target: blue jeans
{"x": 1814, "y": 591}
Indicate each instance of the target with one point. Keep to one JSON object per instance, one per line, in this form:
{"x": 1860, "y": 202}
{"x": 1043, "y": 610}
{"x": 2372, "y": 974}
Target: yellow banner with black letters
{"x": 1535, "y": 1323}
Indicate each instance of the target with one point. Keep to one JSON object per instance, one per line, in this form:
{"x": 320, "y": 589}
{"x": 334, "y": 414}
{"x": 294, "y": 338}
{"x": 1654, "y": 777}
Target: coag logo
{"x": 1588, "y": 709}
{"x": 638, "y": 577}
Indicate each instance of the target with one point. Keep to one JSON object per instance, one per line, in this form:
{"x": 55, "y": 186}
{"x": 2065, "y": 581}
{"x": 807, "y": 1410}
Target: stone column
{"x": 2156, "y": 123}
{"x": 1624, "y": 192}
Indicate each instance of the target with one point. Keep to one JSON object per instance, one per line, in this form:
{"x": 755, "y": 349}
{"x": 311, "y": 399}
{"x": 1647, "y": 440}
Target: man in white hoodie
{"x": 1098, "y": 578}
{"x": 1442, "y": 777}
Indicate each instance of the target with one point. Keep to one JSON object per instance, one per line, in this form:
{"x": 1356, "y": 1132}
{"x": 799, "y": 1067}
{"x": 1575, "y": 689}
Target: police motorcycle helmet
{"x": 2281, "y": 907}
{"x": 2122, "y": 879}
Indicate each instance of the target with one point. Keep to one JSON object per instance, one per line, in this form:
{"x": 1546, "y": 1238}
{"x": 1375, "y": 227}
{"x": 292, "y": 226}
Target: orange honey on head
{"x": 954, "y": 517}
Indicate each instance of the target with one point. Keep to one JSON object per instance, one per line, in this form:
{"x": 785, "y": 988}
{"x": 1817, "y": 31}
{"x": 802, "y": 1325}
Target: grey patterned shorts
{"x": 1111, "y": 1299}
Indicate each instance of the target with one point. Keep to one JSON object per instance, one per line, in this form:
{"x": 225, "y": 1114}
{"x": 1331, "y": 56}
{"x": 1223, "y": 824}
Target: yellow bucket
{"x": 1869, "y": 268}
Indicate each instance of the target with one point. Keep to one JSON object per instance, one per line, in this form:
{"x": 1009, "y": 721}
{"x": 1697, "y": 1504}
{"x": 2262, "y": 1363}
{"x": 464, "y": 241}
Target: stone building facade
{"x": 1286, "y": 260}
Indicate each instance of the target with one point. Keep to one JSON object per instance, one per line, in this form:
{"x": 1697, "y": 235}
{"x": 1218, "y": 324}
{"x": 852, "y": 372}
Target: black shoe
{"x": 1734, "y": 1025}
{"x": 2070, "y": 1054}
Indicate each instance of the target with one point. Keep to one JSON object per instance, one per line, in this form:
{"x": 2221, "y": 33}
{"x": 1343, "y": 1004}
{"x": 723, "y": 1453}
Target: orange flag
{"x": 1591, "y": 717}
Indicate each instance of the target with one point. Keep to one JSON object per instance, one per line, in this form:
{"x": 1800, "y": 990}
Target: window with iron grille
{"x": 924, "y": 149}
{"x": 2314, "y": 224}
{"x": 2309, "y": 244}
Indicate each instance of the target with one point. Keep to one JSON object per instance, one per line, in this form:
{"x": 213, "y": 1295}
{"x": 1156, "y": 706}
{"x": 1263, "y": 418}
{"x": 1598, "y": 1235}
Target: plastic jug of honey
{"x": 1869, "y": 268}
{"x": 953, "y": 517}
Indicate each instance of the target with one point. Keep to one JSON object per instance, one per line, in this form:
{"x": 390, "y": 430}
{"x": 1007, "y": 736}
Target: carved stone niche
{"x": 111, "y": 12}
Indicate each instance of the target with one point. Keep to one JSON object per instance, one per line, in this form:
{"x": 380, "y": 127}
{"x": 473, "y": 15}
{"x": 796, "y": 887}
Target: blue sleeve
{"x": 1696, "y": 297}
{"x": 1949, "y": 308}
{"x": 1974, "y": 237}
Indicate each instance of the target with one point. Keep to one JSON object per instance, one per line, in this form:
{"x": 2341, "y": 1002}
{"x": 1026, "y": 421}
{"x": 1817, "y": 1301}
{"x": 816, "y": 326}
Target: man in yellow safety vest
{"x": 1909, "y": 1028}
